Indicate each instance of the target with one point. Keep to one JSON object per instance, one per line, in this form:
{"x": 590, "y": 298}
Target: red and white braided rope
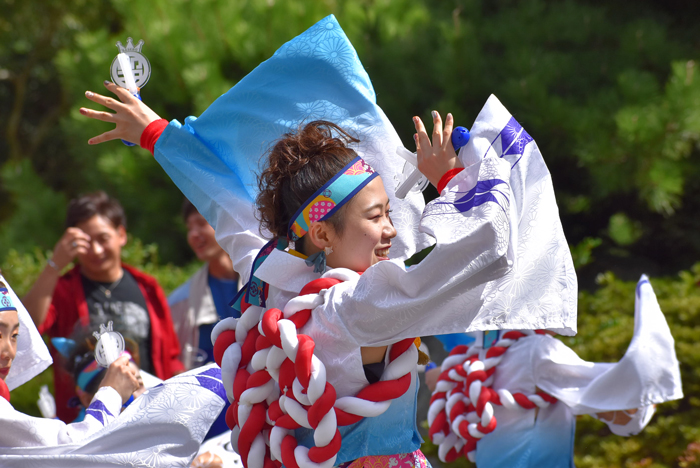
{"x": 461, "y": 408}
{"x": 276, "y": 384}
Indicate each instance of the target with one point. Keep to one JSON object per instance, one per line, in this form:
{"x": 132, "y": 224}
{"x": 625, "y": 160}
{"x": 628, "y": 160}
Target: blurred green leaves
{"x": 623, "y": 230}
{"x": 582, "y": 253}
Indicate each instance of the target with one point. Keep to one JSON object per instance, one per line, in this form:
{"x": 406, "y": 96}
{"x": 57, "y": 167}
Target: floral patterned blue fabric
{"x": 214, "y": 159}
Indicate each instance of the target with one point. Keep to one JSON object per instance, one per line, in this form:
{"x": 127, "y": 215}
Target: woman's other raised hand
{"x": 131, "y": 115}
{"x": 437, "y": 157}
{"x": 121, "y": 377}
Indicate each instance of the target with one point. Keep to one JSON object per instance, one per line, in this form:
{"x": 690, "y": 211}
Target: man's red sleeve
{"x": 60, "y": 296}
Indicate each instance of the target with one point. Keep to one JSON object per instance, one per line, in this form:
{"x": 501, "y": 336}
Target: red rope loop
{"x": 462, "y": 403}
{"x": 276, "y": 384}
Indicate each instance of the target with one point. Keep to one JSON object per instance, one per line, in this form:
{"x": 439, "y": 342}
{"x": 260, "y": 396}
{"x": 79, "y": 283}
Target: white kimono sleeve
{"x": 647, "y": 374}
{"x": 442, "y": 293}
{"x": 501, "y": 260}
{"x": 164, "y": 427}
{"x": 21, "y": 430}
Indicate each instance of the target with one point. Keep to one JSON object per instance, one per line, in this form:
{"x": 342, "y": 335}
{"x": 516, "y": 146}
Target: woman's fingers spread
{"x": 423, "y": 139}
{"x": 106, "y": 136}
{"x": 437, "y": 129}
{"x": 447, "y": 133}
{"x": 98, "y": 115}
{"x": 122, "y": 93}
{"x": 109, "y": 102}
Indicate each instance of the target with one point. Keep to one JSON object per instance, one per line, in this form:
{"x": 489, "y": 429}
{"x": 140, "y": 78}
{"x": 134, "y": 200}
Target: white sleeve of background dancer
{"x": 22, "y": 430}
{"x": 646, "y": 375}
{"x": 560, "y": 372}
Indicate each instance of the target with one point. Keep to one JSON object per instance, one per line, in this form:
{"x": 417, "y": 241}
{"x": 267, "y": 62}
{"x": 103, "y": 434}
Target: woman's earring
{"x": 328, "y": 250}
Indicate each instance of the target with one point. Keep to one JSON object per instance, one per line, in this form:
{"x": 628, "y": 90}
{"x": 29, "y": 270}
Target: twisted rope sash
{"x": 461, "y": 408}
{"x": 276, "y": 384}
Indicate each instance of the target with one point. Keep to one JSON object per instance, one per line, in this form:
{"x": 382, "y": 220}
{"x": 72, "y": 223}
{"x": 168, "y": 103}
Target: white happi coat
{"x": 161, "y": 428}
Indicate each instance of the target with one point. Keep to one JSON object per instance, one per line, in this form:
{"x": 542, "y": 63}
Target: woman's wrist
{"x": 447, "y": 177}
{"x": 151, "y": 133}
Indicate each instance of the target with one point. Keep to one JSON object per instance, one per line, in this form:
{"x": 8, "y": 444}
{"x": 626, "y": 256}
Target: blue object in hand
{"x": 138, "y": 96}
{"x": 460, "y": 137}
{"x": 131, "y": 397}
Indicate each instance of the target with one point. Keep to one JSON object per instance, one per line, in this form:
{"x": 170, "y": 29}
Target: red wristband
{"x": 150, "y": 135}
{"x": 447, "y": 177}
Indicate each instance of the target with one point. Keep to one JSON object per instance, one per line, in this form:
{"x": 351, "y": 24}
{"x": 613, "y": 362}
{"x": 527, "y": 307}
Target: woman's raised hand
{"x": 131, "y": 115}
{"x": 121, "y": 377}
{"x": 437, "y": 157}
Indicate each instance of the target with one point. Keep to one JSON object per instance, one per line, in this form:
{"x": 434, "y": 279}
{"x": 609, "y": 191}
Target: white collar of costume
{"x": 297, "y": 273}
{"x": 32, "y": 356}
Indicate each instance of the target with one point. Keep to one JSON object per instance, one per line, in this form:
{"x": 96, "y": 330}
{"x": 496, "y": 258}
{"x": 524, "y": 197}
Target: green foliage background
{"x": 609, "y": 90}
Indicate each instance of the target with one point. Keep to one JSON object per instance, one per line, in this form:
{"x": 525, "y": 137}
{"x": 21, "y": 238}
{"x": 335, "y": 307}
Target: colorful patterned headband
{"x": 329, "y": 198}
{"x": 6, "y": 300}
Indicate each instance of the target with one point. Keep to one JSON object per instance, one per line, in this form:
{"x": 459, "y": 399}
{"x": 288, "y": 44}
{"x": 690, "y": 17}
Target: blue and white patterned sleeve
{"x": 22, "y": 430}
{"x": 215, "y": 159}
{"x": 163, "y": 427}
{"x": 103, "y": 410}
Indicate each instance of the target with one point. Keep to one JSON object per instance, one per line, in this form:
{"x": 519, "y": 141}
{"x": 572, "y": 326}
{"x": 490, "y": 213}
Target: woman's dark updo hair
{"x": 298, "y": 165}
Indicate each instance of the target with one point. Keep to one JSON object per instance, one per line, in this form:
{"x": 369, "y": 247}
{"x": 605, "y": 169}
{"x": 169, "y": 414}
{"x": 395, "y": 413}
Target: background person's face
{"x": 9, "y": 333}
{"x": 106, "y": 242}
{"x": 202, "y": 238}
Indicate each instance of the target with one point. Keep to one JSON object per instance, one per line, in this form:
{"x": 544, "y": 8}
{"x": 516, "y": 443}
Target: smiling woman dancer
{"x": 309, "y": 400}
